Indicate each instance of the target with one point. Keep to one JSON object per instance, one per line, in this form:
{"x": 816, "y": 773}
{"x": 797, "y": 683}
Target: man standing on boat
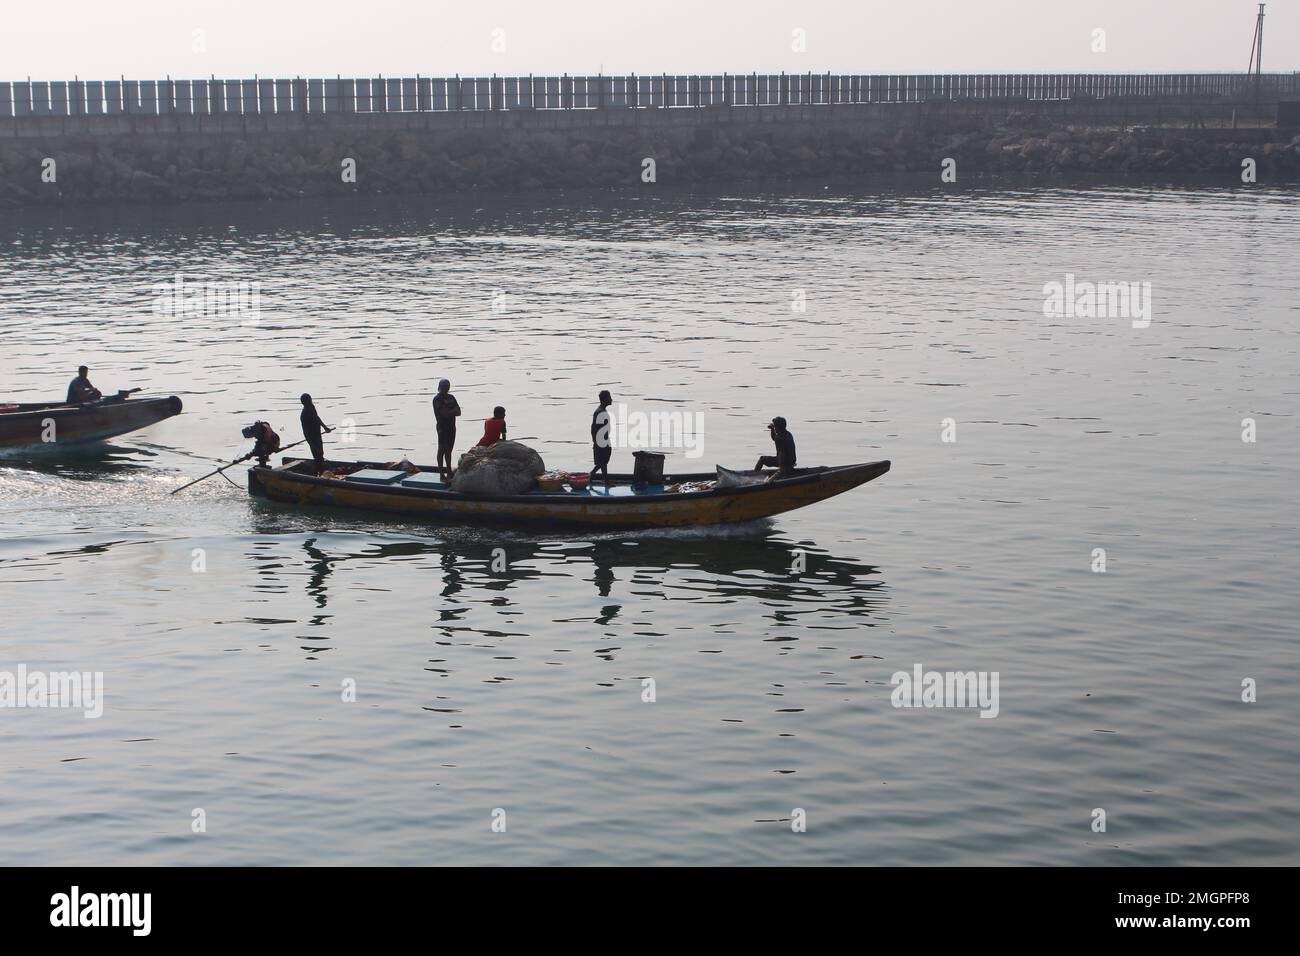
{"x": 784, "y": 459}
{"x": 445, "y": 411}
{"x": 601, "y": 448}
{"x": 80, "y": 390}
{"x": 311, "y": 431}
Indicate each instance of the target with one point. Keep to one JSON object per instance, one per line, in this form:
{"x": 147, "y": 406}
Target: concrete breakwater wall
{"x": 172, "y": 158}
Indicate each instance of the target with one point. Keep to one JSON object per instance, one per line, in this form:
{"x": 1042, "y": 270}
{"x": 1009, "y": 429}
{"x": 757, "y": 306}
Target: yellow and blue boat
{"x": 373, "y": 486}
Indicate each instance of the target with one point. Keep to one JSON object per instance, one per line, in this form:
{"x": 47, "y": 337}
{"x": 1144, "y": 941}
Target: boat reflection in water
{"x": 787, "y": 581}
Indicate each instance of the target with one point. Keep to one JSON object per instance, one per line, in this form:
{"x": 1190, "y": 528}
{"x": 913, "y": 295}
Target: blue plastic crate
{"x": 376, "y": 476}
{"x": 425, "y": 479}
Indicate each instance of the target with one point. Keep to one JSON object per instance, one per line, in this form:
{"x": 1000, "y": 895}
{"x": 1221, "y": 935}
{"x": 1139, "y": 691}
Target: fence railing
{"x": 263, "y": 96}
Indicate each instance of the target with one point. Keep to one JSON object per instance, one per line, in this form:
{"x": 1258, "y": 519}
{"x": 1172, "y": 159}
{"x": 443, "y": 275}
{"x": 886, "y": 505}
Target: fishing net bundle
{"x": 502, "y": 468}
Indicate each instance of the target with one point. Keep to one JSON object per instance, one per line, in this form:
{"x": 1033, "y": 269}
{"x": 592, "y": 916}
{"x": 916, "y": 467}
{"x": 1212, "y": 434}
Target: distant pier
{"x": 173, "y": 139}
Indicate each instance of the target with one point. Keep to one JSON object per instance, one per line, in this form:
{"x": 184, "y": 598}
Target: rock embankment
{"x": 282, "y": 165}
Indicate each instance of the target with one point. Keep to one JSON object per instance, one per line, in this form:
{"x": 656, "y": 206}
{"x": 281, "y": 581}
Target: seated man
{"x": 494, "y": 428}
{"x": 784, "y": 459}
{"x": 80, "y": 390}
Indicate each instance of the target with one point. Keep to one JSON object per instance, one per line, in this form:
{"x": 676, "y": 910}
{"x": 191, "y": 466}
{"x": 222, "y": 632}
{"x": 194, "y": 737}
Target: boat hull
{"x": 726, "y": 506}
{"x": 55, "y": 426}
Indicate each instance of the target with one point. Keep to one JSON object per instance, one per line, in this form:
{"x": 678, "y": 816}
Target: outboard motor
{"x": 266, "y": 442}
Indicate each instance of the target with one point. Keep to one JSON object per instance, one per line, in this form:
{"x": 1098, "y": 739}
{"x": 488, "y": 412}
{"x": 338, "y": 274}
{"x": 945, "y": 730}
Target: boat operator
{"x": 784, "y": 459}
{"x": 80, "y": 390}
{"x": 311, "y": 431}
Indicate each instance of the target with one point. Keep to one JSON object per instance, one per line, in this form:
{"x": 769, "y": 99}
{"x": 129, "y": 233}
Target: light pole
{"x": 1257, "y": 52}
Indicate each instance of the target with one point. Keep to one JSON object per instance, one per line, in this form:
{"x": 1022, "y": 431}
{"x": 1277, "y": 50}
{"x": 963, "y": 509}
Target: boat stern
{"x": 256, "y": 487}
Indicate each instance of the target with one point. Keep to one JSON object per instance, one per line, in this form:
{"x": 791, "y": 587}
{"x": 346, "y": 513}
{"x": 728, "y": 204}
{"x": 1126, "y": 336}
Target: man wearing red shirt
{"x": 494, "y": 428}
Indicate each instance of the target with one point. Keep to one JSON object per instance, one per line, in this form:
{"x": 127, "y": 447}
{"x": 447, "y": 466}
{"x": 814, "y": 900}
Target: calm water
{"x": 522, "y": 689}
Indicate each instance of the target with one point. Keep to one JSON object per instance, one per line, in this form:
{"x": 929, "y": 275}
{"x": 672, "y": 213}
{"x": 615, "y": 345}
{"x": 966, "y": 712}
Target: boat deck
{"x": 372, "y": 475}
{"x": 619, "y": 490}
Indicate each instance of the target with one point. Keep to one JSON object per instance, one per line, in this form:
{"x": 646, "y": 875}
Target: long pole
{"x": 232, "y": 465}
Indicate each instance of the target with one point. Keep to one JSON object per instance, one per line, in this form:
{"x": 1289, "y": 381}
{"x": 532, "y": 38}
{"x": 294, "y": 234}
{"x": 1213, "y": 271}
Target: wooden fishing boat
{"x": 58, "y": 424}
{"x": 373, "y": 486}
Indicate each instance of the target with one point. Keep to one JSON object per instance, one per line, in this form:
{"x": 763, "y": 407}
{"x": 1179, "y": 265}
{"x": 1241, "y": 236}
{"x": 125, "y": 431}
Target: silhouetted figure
{"x": 445, "y": 412}
{"x": 784, "y": 459}
{"x": 601, "y": 447}
{"x": 311, "y": 430}
{"x": 80, "y": 390}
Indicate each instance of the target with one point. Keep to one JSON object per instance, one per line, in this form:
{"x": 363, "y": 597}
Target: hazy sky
{"x": 55, "y": 39}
